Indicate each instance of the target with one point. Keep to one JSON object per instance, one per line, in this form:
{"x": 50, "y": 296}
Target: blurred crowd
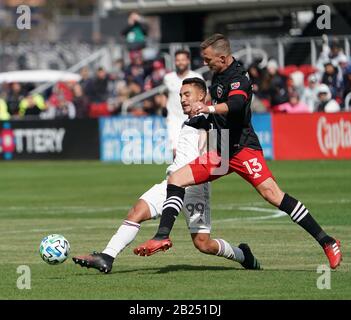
{"x": 98, "y": 93}
{"x": 325, "y": 87}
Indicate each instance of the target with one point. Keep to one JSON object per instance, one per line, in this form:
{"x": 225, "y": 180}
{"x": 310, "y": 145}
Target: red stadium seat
{"x": 98, "y": 110}
{"x": 288, "y": 70}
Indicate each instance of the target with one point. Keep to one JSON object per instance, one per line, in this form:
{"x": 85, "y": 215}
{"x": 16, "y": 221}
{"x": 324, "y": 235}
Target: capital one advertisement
{"x": 312, "y": 136}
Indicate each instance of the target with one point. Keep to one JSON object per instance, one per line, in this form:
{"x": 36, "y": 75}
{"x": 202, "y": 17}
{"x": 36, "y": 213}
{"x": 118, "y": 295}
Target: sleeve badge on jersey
{"x": 234, "y": 85}
{"x": 219, "y": 91}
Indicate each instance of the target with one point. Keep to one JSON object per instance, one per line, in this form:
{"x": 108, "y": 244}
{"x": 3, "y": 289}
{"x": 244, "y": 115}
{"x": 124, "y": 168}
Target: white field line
{"x": 57, "y": 209}
{"x": 275, "y": 214}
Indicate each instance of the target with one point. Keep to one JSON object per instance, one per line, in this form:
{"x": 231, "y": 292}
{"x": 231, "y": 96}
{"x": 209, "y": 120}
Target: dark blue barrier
{"x": 49, "y": 139}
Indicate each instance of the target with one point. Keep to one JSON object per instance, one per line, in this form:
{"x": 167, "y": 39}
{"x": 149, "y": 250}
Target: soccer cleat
{"x": 333, "y": 253}
{"x": 250, "y": 261}
{"x": 152, "y": 246}
{"x": 95, "y": 260}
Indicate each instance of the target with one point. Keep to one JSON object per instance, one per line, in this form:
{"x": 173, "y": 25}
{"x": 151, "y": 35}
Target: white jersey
{"x": 196, "y": 208}
{"x": 175, "y": 115}
{"x": 191, "y": 144}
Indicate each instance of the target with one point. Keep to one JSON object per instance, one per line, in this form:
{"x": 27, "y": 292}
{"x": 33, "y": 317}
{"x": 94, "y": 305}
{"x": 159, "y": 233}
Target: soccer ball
{"x": 54, "y": 249}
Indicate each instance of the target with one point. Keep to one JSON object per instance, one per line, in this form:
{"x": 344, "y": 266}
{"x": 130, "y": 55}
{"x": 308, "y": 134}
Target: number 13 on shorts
{"x": 253, "y": 166}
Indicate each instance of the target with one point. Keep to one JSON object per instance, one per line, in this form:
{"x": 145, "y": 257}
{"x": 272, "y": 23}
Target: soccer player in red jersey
{"x": 238, "y": 150}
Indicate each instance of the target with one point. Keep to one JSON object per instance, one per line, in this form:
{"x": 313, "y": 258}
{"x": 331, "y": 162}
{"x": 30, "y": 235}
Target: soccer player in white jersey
{"x": 192, "y": 142}
{"x": 173, "y": 82}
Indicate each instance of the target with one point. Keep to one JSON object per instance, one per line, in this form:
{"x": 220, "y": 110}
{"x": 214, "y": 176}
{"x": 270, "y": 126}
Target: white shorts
{"x": 196, "y": 206}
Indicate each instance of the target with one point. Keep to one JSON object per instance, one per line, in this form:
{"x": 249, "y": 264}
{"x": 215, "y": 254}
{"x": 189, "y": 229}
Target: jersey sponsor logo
{"x": 333, "y": 136}
{"x": 219, "y": 91}
{"x": 234, "y": 85}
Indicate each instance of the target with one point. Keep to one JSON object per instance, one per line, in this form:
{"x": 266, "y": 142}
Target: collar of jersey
{"x": 233, "y": 65}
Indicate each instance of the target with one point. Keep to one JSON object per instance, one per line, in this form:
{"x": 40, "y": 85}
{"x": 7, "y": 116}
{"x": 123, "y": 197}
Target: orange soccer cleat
{"x": 333, "y": 253}
{"x": 152, "y": 246}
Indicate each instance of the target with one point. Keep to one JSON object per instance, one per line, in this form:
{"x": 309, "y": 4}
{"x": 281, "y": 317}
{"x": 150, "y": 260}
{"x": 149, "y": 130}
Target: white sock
{"x": 125, "y": 234}
{"x": 227, "y": 251}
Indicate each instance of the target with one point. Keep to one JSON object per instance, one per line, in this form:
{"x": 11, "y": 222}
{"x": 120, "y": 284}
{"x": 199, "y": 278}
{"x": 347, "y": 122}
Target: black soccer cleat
{"x": 96, "y": 260}
{"x": 250, "y": 261}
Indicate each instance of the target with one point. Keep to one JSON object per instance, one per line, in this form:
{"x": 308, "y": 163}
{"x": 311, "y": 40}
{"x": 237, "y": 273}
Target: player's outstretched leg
{"x": 171, "y": 208}
{"x": 300, "y": 215}
{"x": 125, "y": 234}
{"x": 221, "y": 248}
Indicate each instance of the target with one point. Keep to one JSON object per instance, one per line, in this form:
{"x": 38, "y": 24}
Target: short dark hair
{"x": 182, "y": 51}
{"x": 197, "y": 82}
{"x": 218, "y": 42}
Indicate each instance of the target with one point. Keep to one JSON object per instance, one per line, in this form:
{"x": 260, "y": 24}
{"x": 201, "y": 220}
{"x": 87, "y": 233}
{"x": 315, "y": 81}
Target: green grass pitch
{"x": 87, "y": 201}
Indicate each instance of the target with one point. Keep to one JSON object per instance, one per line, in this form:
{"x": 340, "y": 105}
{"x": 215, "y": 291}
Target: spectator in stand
{"x": 157, "y": 104}
{"x": 135, "y": 72}
{"x": 97, "y": 88}
{"x": 332, "y": 53}
{"x": 134, "y": 88}
{"x": 85, "y": 78}
{"x": 156, "y": 77}
{"x": 32, "y": 105}
{"x": 274, "y": 85}
{"x": 255, "y": 74}
{"x": 4, "y": 114}
{"x": 310, "y": 93}
{"x": 330, "y": 78}
{"x": 60, "y": 88}
{"x": 294, "y": 105}
{"x": 120, "y": 96}
{"x": 64, "y": 109}
{"x": 15, "y": 95}
{"x": 80, "y": 101}
{"x": 258, "y": 103}
{"x": 344, "y": 62}
{"x": 347, "y": 82}
{"x": 336, "y": 52}
{"x": 117, "y": 73}
{"x": 325, "y": 101}
{"x": 135, "y": 32}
